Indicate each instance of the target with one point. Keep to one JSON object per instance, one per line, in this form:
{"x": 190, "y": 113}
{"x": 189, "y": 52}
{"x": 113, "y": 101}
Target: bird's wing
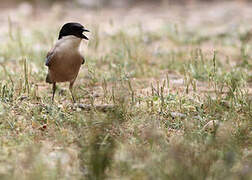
{"x": 49, "y": 57}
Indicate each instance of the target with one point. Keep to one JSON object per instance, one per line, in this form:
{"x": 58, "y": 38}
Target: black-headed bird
{"x": 64, "y": 60}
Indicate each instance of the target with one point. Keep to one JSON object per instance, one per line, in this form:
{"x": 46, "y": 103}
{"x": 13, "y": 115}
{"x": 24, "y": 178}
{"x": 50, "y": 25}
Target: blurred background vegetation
{"x": 94, "y": 3}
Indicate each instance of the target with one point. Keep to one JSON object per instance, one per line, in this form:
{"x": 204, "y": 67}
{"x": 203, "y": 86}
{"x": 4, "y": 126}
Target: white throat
{"x": 68, "y": 43}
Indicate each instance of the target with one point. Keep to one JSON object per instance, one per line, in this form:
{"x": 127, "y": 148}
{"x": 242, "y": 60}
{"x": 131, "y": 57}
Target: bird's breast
{"x": 66, "y": 61}
{"x": 65, "y": 66}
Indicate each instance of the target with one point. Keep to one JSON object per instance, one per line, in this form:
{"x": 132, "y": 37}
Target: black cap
{"x": 75, "y": 29}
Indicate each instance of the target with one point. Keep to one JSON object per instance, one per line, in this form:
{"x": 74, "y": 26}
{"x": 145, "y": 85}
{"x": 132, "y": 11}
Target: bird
{"x": 64, "y": 59}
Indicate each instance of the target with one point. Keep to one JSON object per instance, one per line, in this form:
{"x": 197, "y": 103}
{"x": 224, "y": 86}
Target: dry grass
{"x": 164, "y": 94}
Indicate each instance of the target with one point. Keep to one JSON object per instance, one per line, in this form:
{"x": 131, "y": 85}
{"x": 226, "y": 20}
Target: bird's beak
{"x": 85, "y": 30}
{"x": 83, "y": 36}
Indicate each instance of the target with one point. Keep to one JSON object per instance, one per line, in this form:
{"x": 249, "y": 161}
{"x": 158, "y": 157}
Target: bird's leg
{"x": 71, "y": 90}
{"x": 54, "y": 89}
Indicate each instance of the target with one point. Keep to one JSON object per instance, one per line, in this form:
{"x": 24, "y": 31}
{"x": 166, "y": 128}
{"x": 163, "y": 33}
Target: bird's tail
{"x": 48, "y": 79}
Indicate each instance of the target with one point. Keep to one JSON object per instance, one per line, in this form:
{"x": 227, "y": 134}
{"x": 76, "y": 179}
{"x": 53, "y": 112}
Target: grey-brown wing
{"x": 49, "y": 57}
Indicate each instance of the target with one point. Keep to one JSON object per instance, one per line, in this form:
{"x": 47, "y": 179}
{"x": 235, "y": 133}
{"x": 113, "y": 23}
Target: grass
{"x": 177, "y": 110}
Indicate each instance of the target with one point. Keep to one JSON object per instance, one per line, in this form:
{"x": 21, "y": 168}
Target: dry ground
{"x": 177, "y": 81}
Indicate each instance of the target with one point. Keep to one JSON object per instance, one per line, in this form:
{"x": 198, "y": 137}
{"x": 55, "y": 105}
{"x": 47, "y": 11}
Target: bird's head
{"x": 74, "y": 29}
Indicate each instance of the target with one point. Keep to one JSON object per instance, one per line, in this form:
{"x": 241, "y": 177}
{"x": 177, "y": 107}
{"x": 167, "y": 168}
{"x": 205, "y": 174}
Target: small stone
{"x": 84, "y": 106}
{"x": 21, "y": 98}
{"x": 177, "y": 114}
